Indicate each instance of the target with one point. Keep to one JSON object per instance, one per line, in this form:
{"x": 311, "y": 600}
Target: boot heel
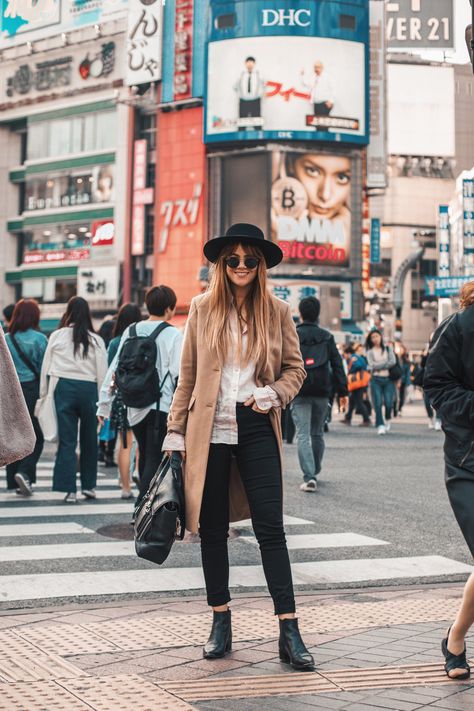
{"x": 284, "y": 657}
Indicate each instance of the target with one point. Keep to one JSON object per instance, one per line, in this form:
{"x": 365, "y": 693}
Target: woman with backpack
{"x": 27, "y": 346}
{"x": 128, "y": 314}
{"x": 74, "y": 365}
{"x": 380, "y": 359}
{"x": 241, "y": 363}
{"x": 147, "y": 394}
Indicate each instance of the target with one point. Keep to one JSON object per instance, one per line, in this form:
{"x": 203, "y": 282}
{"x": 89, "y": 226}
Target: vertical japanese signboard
{"x": 144, "y": 40}
{"x": 377, "y": 148}
{"x": 183, "y": 46}
{"x": 375, "y": 241}
{"x": 139, "y": 185}
{"x": 443, "y": 240}
{"x": 468, "y": 224}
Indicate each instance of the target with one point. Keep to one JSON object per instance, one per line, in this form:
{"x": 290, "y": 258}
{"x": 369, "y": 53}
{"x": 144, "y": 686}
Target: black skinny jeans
{"x": 27, "y": 466}
{"x": 149, "y": 433}
{"x": 259, "y": 465}
{"x": 359, "y": 404}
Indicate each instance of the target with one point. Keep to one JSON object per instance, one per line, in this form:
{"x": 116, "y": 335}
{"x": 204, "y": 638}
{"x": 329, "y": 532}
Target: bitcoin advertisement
{"x": 308, "y": 88}
{"x": 311, "y": 207}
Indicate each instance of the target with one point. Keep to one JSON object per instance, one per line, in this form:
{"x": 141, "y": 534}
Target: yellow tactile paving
{"x": 36, "y": 666}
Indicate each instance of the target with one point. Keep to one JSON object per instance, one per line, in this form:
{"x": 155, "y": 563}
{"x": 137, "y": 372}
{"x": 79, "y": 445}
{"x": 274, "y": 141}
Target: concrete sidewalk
{"x": 375, "y": 649}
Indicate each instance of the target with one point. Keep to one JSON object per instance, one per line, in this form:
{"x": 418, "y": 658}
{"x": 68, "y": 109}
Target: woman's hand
{"x": 251, "y": 403}
{"x": 101, "y": 420}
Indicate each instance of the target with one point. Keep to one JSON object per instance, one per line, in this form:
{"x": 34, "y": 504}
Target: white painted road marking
{"x": 325, "y": 540}
{"x": 41, "y": 529}
{"x": 39, "y": 496}
{"x": 20, "y": 587}
{"x": 79, "y": 509}
{"x": 63, "y": 551}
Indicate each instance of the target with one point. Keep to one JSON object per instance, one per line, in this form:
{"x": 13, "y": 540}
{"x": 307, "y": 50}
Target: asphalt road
{"x": 386, "y": 488}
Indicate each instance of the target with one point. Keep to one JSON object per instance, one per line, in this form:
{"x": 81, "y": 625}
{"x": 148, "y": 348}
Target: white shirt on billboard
{"x": 249, "y": 86}
{"x": 320, "y": 87}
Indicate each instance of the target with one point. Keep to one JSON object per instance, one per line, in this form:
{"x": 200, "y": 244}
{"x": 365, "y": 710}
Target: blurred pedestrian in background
{"x": 309, "y": 409}
{"x": 434, "y": 423}
{"x": 380, "y": 359}
{"x": 405, "y": 380}
{"x": 106, "y": 329}
{"x": 76, "y": 358}
{"x": 449, "y": 383}
{"x": 148, "y": 424}
{"x": 7, "y": 315}
{"x": 358, "y": 378}
{"x": 27, "y": 346}
{"x": 17, "y": 436}
{"x": 128, "y": 314}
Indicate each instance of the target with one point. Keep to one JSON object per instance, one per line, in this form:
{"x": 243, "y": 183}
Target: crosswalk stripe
{"x": 55, "y": 496}
{"x": 325, "y": 540}
{"x": 78, "y": 509}
{"x": 60, "y": 551}
{"x": 41, "y": 529}
{"x": 49, "y": 585}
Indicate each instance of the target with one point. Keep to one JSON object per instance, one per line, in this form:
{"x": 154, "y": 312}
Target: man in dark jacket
{"x": 324, "y": 366}
{"x": 449, "y": 384}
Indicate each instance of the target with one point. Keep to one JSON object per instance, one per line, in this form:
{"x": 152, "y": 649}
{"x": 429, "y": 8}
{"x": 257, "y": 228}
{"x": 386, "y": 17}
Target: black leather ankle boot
{"x": 291, "y": 647}
{"x": 220, "y": 639}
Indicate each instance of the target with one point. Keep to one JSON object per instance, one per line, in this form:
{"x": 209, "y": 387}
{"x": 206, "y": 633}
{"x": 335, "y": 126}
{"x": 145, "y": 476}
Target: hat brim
{"x": 271, "y": 251}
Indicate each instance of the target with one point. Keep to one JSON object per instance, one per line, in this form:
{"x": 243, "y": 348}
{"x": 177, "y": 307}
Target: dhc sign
{"x": 282, "y": 18}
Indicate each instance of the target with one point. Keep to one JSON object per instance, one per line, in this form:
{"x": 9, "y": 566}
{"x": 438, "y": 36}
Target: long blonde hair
{"x": 221, "y": 302}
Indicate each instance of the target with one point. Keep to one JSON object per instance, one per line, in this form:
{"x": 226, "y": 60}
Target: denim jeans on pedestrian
{"x": 383, "y": 393}
{"x": 76, "y": 403}
{"x": 309, "y": 415}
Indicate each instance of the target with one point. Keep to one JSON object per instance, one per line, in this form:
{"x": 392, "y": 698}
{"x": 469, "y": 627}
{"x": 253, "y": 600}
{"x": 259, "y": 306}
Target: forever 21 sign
{"x": 423, "y": 24}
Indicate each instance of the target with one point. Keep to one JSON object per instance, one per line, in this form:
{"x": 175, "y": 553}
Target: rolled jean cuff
{"x": 285, "y": 608}
{"x": 218, "y": 600}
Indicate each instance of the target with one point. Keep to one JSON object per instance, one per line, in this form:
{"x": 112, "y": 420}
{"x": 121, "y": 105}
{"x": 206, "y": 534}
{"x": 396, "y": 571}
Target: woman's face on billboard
{"x": 327, "y": 181}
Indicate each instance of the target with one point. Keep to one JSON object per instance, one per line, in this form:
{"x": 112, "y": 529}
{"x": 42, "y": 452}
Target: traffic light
{"x": 469, "y": 38}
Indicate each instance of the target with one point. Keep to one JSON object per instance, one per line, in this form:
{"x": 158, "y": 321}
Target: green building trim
{"x": 73, "y": 216}
{"x": 72, "y": 111}
{"x": 82, "y": 161}
{"x": 17, "y": 176}
{"x": 14, "y": 225}
{"x": 40, "y": 272}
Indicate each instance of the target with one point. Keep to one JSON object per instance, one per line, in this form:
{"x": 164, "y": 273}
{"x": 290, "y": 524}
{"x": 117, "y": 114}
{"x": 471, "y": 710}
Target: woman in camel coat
{"x": 240, "y": 364}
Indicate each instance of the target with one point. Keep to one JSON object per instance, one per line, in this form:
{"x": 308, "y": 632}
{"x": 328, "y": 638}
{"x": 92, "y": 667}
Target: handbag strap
{"x": 24, "y": 357}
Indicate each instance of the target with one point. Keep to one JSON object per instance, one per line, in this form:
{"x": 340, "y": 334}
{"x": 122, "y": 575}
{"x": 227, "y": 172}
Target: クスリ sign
{"x": 424, "y": 24}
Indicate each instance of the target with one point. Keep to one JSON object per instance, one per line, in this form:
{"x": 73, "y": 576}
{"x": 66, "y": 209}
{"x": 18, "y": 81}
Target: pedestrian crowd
{"x": 214, "y": 394}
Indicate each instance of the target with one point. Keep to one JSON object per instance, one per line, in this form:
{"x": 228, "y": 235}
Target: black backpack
{"x": 136, "y": 376}
{"x": 315, "y": 354}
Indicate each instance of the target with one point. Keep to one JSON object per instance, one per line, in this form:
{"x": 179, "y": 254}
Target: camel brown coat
{"x": 195, "y": 399}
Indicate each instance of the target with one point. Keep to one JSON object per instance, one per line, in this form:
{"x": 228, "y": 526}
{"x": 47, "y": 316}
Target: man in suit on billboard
{"x": 249, "y": 87}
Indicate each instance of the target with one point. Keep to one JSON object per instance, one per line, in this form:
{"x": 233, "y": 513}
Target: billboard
{"x": 292, "y": 71}
{"x": 421, "y": 110}
{"x": 443, "y": 239}
{"x": 377, "y": 148}
{"x": 311, "y": 207}
{"x": 31, "y": 20}
{"x": 293, "y": 290}
{"x": 420, "y": 24}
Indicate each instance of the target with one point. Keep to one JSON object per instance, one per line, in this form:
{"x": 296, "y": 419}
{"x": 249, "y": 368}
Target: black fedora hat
{"x": 245, "y": 234}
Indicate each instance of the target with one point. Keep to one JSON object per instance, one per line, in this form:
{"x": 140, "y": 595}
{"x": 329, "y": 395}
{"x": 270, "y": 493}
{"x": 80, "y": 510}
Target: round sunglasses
{"x": 250, "y": 262}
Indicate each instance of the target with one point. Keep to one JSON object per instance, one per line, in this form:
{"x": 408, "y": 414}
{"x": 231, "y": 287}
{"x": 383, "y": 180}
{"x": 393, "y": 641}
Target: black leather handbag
{"x": 159, "y": 519}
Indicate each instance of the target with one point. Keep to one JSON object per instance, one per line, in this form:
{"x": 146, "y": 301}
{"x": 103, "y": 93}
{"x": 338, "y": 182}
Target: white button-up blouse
{"x": 238, "y": 384}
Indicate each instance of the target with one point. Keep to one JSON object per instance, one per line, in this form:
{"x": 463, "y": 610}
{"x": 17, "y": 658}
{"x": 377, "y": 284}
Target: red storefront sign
{"x": 143, "y": 197}
{"x": 56, "y": 255}
{"x": 179, "y": 211}
{"x": 183, "y": 46}
{"x": 103, "y": 233}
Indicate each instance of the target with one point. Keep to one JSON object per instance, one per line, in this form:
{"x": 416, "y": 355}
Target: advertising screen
{"x": 311, "y": 207}
{"x": 286, "y": 87}
{"x": 421, "y": 110}
{"x": 30, "y": 20}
